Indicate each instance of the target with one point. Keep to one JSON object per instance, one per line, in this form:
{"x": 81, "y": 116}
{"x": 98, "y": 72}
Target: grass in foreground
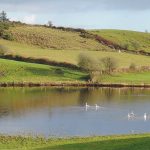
{"x": 71, "y": 56}
{"x": 131, "y": 40}
{"x": 127, "y": 142}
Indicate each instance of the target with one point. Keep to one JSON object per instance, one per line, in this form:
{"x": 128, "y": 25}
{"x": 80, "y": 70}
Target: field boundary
{"x": 40, "y": 61}
{"x": 72, "y": 84}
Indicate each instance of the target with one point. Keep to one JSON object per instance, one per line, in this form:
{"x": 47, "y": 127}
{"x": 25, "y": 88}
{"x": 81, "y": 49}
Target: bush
{"x": 89, "y": 64}
{"x": 7, "y": 36}
{"x": 135, "y": 45}
{"x": 132, "y": 67}
{"x": 109, "y": 64}
{"x": 4, "y": 50}
{"x": 126, "y": 46}
{"x": 4, "y": 26}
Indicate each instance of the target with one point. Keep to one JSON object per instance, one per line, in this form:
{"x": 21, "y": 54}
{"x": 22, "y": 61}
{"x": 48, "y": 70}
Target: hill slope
{"x": 130, "y": 40}
{"x": 54, "y": 38}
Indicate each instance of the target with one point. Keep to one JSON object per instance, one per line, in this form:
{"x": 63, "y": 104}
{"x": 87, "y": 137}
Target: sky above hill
{"x": 91, "y": 14}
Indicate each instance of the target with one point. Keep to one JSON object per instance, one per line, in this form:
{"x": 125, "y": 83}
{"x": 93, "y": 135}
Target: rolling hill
{"x": 64, "y": 45}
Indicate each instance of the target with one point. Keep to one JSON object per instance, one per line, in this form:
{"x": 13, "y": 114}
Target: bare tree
{"x": 109, "y": 64}
{"x": 89, "y": 64}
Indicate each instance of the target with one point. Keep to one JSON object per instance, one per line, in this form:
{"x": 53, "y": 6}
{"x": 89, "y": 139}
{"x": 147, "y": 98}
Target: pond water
{"x": 61, "y": 112}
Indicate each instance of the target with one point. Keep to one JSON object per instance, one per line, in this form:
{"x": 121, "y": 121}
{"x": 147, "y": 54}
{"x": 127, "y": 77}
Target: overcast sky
{"x": 94, "y": 14}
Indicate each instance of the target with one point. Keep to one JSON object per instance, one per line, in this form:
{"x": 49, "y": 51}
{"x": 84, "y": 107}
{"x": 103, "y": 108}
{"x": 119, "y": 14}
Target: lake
{"x": 61, "y": 112}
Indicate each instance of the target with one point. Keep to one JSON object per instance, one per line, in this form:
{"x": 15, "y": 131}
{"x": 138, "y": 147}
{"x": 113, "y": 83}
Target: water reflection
{"x": 63, "y": 111}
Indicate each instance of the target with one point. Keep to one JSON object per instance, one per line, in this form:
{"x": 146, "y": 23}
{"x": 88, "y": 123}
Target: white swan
{"x": 145, "y": 116}
{"x": 131, "y": 115}
{"x": 97, "y": 107}
{"x": 87, "y": 106}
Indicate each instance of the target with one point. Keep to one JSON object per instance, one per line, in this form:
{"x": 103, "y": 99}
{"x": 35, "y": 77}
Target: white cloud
{"x": 31, "y": 19}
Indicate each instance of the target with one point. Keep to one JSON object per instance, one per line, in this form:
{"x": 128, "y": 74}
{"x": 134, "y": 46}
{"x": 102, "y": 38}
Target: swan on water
{"x": 97, "y": 107}
{"x": 87, "y": 106}
{"x": 145, "y": 116}
{"x": 131, "y": 115}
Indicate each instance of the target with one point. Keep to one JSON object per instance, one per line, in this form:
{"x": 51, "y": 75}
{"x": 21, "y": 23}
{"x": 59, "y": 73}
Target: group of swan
{"x": 88, "y": 106}
{"x": 133, "y": 116}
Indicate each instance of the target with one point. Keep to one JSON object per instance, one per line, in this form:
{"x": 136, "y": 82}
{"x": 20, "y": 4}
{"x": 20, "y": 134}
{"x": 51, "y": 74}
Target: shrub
{"x": 4, "y": 50}
{"x": 135, "y": 45}
{"x": 4, "y": 26}
{"x": 89, "y": 64}
{"x": 132, "y": 67}
{"x": 109, "y": 64}
{"x": 126, "y": 46}
{"x": 7, "y": 36}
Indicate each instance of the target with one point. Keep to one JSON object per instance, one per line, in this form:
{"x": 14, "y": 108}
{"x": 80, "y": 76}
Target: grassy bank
{"x": 128, "y": 142}
{"x": 17, "y": 73}
{"x": 71, "y": 56}
{"x": 127, "y": 78}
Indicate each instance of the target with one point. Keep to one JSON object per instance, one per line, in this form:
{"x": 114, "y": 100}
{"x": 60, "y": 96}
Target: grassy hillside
{"x": 128, "y": 142}
{"x": 71, "y": 56}
{"x": 128, "y": 39}
{"x": 13, "y": 71}
{"x": 54, "y": 38}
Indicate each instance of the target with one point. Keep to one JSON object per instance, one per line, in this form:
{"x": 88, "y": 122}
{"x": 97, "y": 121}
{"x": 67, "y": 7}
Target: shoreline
{"x": 128, "y": 142}
{"x": 72, "y": 84}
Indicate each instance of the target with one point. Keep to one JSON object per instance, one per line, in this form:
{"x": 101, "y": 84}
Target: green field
{"x": 18, "y": 72}
{"x": 13, "y": 71}
{"x": 127, "y": 78}
{"x": 128, "y": 142}
{"x": 71, "y": 56}
{"x": 132, "y": 40}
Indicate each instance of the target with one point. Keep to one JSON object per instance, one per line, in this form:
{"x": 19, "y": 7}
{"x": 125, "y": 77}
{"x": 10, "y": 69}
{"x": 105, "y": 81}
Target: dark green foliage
{"x": 4, "y": 26}
{"x": 7, "y": 36}
{"x": 3, "y": 17}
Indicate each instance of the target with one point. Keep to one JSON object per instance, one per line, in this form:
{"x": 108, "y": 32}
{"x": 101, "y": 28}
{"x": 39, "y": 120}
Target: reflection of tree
{"x": 84, "y": 96}
{"x": 109, "y": 93}
{"x": 4, "y": 112}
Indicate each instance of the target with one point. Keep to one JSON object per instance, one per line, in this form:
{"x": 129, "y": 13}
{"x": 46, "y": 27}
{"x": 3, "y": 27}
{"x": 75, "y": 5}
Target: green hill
{"x": 130, "y": 40}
